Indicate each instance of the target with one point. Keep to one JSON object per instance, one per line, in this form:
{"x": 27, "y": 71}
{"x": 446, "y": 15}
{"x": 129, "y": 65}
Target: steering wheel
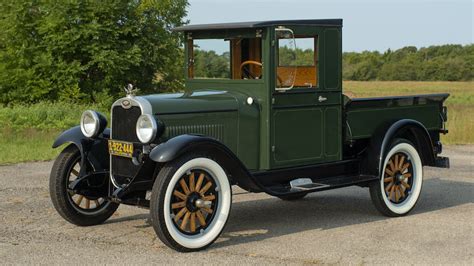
{"x": 247, "y": 74}
{"x": 245, "y": 70}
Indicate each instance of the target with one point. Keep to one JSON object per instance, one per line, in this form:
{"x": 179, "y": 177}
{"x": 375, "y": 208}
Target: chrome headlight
{"x": 146, "y": 128}
{"x": 92, "y": 123}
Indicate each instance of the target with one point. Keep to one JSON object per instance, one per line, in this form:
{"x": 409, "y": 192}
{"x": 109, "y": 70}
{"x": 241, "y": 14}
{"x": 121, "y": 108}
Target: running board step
{"x": 303, "y": 184}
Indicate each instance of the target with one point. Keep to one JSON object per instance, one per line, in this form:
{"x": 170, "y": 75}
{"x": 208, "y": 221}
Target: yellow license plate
{"x": 121, "y": 148}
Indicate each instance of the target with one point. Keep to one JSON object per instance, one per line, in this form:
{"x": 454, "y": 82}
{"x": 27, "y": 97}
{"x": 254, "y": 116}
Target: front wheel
{"x": 190, "y": 202}
{"x": 75, "y": 208}
{"x": 399, "y": 187}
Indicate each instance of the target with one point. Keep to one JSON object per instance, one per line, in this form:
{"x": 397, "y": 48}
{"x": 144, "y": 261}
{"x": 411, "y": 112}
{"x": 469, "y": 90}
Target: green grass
{"x": 27, "y": 132}
{"x": 27, "y": 145}
{"x": 44, "y": 116}
{"x": 460, "y": 102}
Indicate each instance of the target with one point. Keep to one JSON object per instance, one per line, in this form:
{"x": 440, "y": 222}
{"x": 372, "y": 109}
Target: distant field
{"x": 460, "y": 102}
{"x": 27, "y": 132}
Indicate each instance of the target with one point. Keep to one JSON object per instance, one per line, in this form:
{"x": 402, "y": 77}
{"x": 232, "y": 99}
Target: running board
{"x": 308, "y": 185}
{"x": 304, "y": 184}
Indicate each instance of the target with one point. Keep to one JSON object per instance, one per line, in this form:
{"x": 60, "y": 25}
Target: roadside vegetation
{"x": 58, "y": 59}
{"x": 28, "y": 131}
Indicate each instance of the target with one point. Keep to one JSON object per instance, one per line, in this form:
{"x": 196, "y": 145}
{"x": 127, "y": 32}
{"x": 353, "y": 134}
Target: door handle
{"x": 322, "y": 99}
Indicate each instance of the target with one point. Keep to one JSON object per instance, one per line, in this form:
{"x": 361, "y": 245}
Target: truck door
{"x": 306, "y": 100}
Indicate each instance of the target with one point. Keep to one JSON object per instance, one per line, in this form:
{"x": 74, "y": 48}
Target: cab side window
{"x": 298, "y": 66}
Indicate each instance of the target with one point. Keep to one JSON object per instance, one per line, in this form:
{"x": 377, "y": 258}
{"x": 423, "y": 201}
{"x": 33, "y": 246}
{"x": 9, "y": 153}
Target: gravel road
{"x": 331, "y": 227}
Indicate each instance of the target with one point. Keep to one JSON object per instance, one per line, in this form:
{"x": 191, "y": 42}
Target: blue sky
{"x": 368, "y": 24}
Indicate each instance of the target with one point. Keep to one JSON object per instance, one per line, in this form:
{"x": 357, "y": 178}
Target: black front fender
{"x": 173, "y": 148}
{"x": 94, "y": 149}
{"x": 177, "y": 146}
{"x": 73, "y": 135}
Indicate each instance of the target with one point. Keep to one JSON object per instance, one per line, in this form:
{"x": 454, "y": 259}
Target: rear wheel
{"x": 190, "y": 202}
{"x": 399, "y": 187}
{"x": 75, "y": 208}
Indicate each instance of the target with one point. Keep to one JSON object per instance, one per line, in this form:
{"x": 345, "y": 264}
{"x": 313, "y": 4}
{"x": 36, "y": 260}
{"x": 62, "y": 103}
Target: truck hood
{"x": 198, "y": 101}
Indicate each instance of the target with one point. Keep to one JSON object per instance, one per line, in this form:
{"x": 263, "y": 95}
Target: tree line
{"x": 443, "y": 62}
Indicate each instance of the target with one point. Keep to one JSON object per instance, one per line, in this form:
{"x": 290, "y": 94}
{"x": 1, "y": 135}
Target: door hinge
{"x": 273, "y": 148}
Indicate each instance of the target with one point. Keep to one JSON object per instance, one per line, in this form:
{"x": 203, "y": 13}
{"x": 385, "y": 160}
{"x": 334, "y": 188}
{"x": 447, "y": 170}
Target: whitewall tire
{"x": 398, "y": 189}
{"x": 190, "y": 202}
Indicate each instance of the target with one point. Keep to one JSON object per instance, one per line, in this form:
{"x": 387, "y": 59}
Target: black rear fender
{"x": 380, "y": 142}
{"x": 180, "y": 145}
{"x": 92, "y": 149}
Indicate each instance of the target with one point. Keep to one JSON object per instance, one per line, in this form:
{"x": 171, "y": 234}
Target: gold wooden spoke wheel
{"x": 80, "y": 201}
{"x": 398, "y": 178}
{"x": 194, "y": 202}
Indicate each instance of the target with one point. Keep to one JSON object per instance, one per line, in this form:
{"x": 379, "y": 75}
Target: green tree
{"x": 79, "y": 49}
{"x": 361, "y": 66}
{"x": 208, "y": 64}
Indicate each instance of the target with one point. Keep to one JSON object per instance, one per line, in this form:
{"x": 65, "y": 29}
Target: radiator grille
{"x": 124, "y": 122}
{"x": 123, "y": 128}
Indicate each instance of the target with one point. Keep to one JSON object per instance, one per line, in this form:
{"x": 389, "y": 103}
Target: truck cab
{"x": 263, "y": 109}
{"x": 291, "y": 73}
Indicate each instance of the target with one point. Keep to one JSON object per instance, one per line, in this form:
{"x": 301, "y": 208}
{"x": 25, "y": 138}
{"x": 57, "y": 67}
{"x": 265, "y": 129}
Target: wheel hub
{"x": 191, "y": 201}
{"x": 399, "y": 178}
{"x": 203, "y": 203}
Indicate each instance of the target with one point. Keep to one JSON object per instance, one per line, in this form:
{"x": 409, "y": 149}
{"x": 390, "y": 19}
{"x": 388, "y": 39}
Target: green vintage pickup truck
{"x": 263, "y": 109}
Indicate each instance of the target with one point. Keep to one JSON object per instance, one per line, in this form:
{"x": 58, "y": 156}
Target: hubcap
{"x": 194, "y": 201}
{"x": 398, "y": 178}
